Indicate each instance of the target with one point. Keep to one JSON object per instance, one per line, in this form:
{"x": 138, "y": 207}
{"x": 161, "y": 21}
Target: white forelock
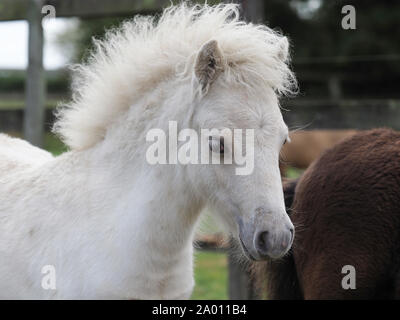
{"x": 145, "y": 51}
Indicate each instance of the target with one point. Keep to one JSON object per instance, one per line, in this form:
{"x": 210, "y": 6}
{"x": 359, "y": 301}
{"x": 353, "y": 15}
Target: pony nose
{"x": 274, "y": 246}
{"x": 262, "y": 243}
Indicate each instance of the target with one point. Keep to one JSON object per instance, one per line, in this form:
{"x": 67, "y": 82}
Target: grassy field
{"x": 211, "y": 276}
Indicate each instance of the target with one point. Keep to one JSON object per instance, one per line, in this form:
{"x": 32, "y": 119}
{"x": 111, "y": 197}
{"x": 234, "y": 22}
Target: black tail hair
{"x": 278, "y": 278}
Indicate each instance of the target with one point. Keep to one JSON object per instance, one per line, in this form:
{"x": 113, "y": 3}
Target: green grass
{"x": 293, "y": 173}
{"x": 53, "y": 144}
{"x": 211, "y": 276}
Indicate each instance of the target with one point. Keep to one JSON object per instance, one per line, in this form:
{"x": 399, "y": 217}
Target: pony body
{"x": 347, "y": 207}
{"x": 307, "y": 146}
{"x": 111, "y": 224}
{"x": 94, "y": 245}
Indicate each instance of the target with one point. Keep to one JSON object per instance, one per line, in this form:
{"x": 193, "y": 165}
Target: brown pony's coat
{"x": 306, "y": 146}
{"x": 347, "y": 211}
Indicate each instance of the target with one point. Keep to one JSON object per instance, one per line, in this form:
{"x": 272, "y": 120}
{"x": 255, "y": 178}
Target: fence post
{"x": 241, "y": 286}
{"x": 35, "y": 81}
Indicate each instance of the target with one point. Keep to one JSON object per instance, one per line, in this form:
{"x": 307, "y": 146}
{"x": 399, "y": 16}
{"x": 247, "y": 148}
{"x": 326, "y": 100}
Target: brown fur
{"x": 347, "y": 212}
{"x": 306, "y": 146}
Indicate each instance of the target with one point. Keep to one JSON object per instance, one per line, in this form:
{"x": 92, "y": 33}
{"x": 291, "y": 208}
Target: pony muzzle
{"x": 261, "y": 243}
{"x": 273, "y": 245}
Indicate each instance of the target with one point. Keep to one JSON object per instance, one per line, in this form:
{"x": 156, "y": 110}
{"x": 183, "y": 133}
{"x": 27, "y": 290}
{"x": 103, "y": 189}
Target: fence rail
{"x": 17, "y": 9}
{"x": 342, "y": 114}
{"x": 298, "y": 114}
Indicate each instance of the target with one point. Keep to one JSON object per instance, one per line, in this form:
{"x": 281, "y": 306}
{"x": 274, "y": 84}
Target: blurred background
{"x": 348, "y": 80}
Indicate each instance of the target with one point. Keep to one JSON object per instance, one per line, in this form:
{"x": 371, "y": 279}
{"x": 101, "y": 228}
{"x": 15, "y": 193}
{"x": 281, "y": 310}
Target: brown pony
{"x": 347, "y": 210}
{"x": 306, "y": 146}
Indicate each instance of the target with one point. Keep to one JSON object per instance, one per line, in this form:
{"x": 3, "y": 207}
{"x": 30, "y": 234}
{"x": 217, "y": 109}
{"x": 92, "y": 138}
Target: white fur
{"x": 112, "y": 225}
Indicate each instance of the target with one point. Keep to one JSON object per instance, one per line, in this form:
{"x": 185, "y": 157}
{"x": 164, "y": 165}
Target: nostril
{"x": 262, "y": 241}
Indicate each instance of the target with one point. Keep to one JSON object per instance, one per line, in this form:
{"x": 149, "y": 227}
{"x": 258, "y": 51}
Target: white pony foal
{"x": 108, "y": 223}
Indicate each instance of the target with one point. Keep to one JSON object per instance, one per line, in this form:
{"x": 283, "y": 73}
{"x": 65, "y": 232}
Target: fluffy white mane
{"x": 144, "y": 51}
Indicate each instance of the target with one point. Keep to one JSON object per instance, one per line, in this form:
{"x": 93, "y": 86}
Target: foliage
{"x": 321, "y": 34}
{"x": 14, "y": 81}
{"x": 82, "y": 35}
{"x": 53, "y": 144}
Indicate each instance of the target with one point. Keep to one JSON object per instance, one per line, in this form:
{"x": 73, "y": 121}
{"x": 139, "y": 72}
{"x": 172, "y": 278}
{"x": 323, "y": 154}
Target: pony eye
{"x": 216, "y": 145}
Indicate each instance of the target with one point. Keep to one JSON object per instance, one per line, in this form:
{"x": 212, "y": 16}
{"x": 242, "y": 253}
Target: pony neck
{"x": 153, "y": 207}
{"x": 161, "y": 192}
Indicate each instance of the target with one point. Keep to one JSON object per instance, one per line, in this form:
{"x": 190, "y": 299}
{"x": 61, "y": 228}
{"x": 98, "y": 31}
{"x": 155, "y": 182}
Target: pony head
{"x": 238, "y": 98}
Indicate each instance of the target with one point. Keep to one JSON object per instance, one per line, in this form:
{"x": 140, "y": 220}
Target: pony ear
{"x": 283, "y": 49}
{"x": 208, "y": 64}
